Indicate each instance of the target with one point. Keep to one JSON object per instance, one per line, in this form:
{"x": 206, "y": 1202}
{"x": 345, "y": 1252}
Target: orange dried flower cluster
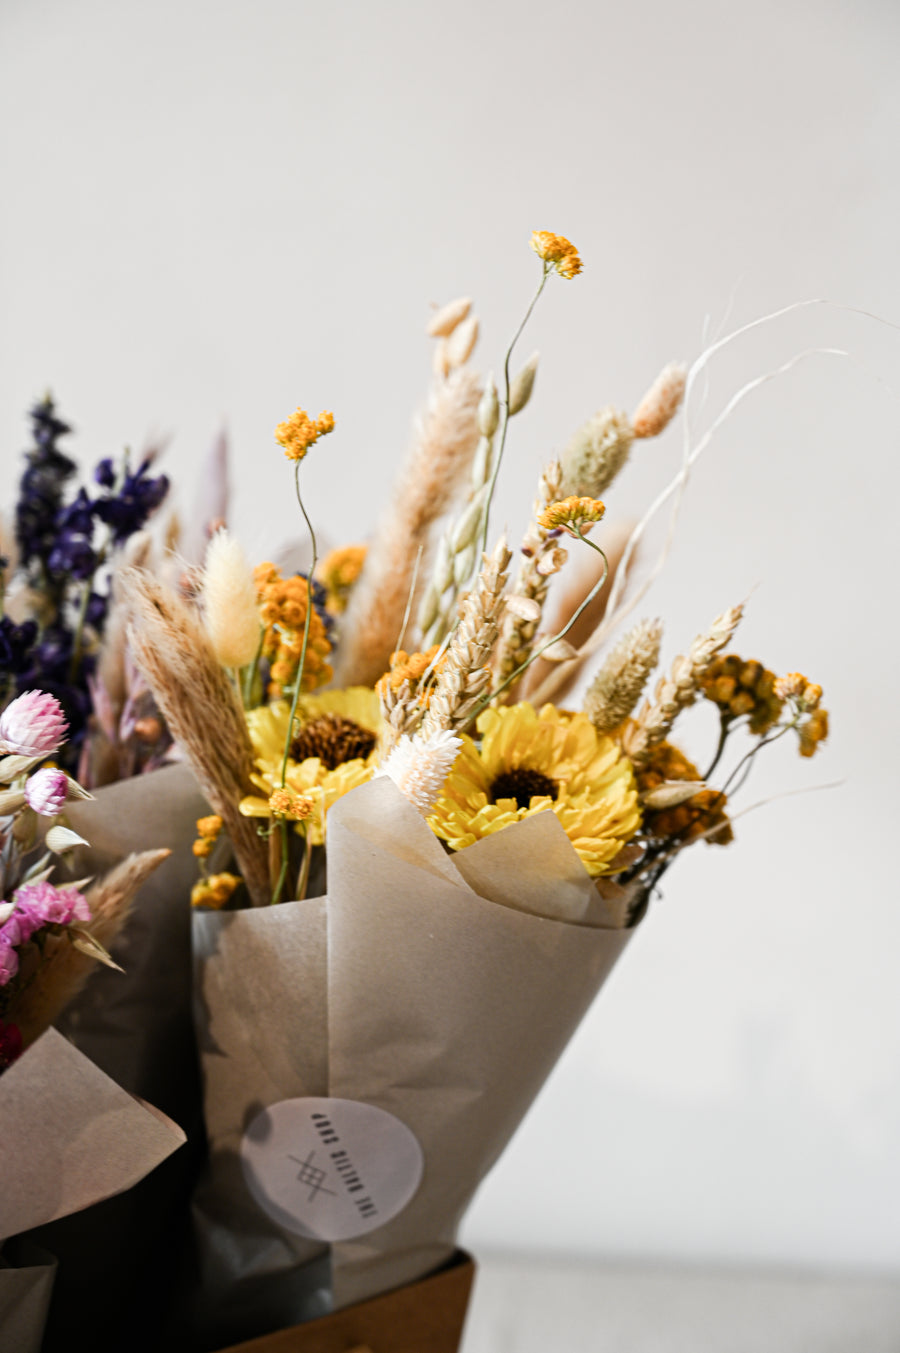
{"x": 298, "y": 433}
{"x": 283, "y": 612}
{"x": 406, "y": 668}
{"x": 558, "y": 251}
{"x": 286, "y": 802}
{"x": 813, "y": 731}
{"x": 795, "y": 686}
{"x": 572, "y": 515}
{"x": 208, "y": 829}
{"x": 740, "y": 686}
{"x": 338, "y": 572}
{"x": 214, "y": 891}
{"x": 688, "y": 821}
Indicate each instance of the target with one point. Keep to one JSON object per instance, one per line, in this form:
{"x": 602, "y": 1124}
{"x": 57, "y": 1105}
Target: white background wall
{"x": 218, "y": 210}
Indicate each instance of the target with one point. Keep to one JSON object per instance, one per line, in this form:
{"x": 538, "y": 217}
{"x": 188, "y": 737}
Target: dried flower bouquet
{"x": 433, "y": 856}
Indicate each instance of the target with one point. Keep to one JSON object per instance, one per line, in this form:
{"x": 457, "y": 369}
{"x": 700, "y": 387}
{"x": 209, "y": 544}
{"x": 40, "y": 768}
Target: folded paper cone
{"x": 85, "y": 1140}
{"x": 423, "y": 1317}
{"x": 415, "y": 988}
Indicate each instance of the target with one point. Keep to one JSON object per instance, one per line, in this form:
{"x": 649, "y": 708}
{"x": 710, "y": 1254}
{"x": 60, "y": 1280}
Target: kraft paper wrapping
{"x": 26, "y": 1285}
{"x": 136, "y": 1026}
{"x": 72, "y": 1135}
{"x": 439, "y": 988}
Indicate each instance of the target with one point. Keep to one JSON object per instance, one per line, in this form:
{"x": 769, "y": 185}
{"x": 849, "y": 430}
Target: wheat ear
{"x": 465, "y": 676}
{"x": 539, "y": 562}
{"x": 201, "y": 709}
{"x": 678, "y": 690}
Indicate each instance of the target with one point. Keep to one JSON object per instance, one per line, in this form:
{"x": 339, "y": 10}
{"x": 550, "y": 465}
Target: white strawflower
{"x": 419, "y": 766}
{"x": 231, "y": 609}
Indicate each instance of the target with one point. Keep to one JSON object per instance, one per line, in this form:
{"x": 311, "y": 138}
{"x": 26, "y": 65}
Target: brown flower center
{"x": 522, "y": 785}
{"x": 333, "y": 739}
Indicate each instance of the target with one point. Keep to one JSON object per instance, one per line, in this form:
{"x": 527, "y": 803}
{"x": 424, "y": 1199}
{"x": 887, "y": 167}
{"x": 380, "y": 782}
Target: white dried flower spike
{"x": 231, "y": 609}
{"x": 596, "y": 454}
{"x": 419, "y": 766}
{"x": 447, "y": 317}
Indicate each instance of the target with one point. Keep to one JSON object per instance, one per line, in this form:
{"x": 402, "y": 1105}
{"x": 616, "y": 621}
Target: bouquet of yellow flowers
{"x": 420, "y": 856}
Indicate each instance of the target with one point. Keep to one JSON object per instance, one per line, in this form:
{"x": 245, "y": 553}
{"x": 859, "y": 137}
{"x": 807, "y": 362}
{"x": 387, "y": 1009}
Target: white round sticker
{"x": 330, "y": 1169}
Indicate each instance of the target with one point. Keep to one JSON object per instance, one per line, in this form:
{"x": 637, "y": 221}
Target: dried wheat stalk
{"x": 465, "y": 676}
{"x": 201, "y": 709}
{"x": 678, "y": 690}
{"x": 533, "y": 582}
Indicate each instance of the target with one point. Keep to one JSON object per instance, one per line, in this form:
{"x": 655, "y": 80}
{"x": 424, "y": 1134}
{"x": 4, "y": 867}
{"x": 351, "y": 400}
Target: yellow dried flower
{"x": 573, "y": 515}
{"x": 285, "y": 802}
{"x": 533, "y": 761}
{"x": 739, "y": 687}
{"x": 202, "y": 847}
{"x": 283, "y": 611}
{"x": 214, "y": 891}
{"x": 298, "y": 433}
{"x": 688, "y": 821}
{"x": 338, "y": 572}
{"x": 558, "y": 251}
{"x": 209, "y": 826}
{"x": 406, "y": 668}
{"x": 813, "y": 731}
{"x": 796, "y": 687}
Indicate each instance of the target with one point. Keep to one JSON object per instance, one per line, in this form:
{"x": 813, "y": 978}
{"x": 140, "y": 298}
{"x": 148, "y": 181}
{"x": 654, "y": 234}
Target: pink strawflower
{"x": 33, "y": 725}
{"x": 9, "y": 962}
{"x": 46, "y": 791}
{"x": 40, "y": 904}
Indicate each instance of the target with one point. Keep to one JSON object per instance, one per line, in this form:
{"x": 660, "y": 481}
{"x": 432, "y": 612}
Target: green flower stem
{"x": 309, "y": 606}
{"x": 504, "y": 406}
{"x": 285, "y": 851}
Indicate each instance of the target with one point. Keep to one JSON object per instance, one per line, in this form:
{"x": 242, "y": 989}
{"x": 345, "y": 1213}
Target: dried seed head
{"x": 660, "y": 404}
{"x": 445, "y": 319}
{"x": 596, "y": 454}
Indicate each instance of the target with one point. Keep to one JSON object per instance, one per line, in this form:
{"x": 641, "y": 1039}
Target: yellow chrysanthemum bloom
{"x": 530, "y": 761}
{"x": 334, "y": 749}
{"x": 557, "y": 251}
{"x": 298, "y": 433}
{"x": 572, "y": 515}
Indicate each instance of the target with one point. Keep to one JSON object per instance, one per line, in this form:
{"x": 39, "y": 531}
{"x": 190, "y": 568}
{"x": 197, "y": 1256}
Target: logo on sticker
{"x": 330, "y": 1169}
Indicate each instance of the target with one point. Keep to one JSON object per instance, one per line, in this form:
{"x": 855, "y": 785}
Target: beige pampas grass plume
{"x": 202, "y": 710}
{"x": 618, "y": 686}
{"x": 230, "y": 606}
{"x": 660, "y": 404}
{"x": 64, "y": 970}
{"x": 445, "y": 441}
{"x": 596, "y": 454}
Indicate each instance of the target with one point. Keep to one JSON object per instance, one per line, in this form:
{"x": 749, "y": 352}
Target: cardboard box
{"x": 423, "y": 1317}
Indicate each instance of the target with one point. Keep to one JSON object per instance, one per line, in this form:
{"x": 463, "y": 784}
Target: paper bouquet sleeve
{"x": 71, "y": 1137}
{"x": 437, "y": 990}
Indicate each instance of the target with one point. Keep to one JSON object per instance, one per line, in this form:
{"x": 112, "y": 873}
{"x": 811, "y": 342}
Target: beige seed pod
{"x": 447, "y": 317}
{"x": 489, "y": 409}
{"x": 522, "y": 386}
{"x": 461, "y": 342}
